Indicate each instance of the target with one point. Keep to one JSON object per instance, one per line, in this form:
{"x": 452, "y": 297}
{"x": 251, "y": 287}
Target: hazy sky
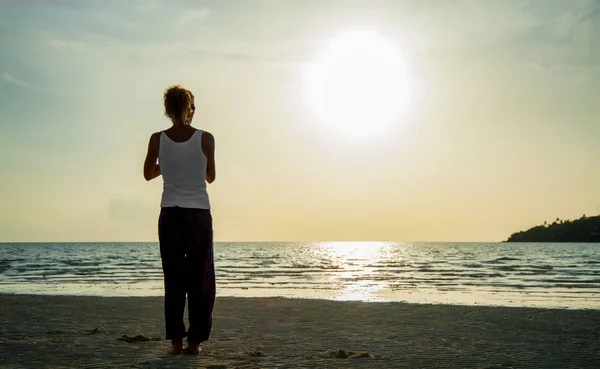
{"x": 502, "y": 131}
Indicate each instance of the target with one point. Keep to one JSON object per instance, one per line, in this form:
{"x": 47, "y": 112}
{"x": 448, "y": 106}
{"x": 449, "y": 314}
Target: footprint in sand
{"x": 137, "y": 339}
{"x": 97, "y": 330}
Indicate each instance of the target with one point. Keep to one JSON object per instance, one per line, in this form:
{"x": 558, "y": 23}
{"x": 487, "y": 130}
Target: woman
{"x": 186, "y": 160}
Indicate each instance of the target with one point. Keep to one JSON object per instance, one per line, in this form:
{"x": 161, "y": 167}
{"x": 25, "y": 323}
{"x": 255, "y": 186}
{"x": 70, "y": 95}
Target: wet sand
{"x": 85, "y": 332}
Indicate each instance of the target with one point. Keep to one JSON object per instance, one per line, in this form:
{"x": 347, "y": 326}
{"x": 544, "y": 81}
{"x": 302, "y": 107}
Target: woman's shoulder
{"x": 206, "y": 133}
{"x": 156, "y": 136}
{"x": 207, "y": 137}
{"x": 155, "y": 140}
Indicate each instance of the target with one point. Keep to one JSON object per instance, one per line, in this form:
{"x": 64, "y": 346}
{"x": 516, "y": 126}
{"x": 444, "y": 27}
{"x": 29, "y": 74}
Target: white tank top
{"x": 183, "y": 169}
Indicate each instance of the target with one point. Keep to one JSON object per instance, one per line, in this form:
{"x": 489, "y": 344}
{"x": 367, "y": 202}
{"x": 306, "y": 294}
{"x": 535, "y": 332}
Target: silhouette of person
{"x": 185, "y": 157}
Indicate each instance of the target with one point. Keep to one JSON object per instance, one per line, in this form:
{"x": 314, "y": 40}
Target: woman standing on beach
{"x": 186, "y": 161}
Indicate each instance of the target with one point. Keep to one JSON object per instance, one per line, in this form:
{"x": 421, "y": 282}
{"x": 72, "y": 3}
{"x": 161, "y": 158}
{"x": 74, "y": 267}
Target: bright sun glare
{"x": 358, "y": 87}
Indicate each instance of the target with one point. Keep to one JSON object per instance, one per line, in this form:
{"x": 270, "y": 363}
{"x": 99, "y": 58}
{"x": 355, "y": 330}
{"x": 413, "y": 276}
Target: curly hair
{"x": 178, "y": 101}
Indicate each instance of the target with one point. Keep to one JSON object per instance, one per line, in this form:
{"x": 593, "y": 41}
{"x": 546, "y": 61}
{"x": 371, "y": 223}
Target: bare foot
{"x": 192, "y": 349}
{"x": 176, "y": 347}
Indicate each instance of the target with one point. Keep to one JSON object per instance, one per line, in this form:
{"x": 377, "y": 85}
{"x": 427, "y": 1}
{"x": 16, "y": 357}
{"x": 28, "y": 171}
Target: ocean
{"x": 496, "y": 274}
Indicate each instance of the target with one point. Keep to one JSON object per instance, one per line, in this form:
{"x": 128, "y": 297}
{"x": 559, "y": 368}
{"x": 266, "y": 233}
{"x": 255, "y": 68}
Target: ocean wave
{"x": 70, "y": 262}
{"x": 531, "y": 273}
{"x": 500, "y": 260}
{"x": 507, "y": 268}
{"x": 4, "y": 266}
{"x": 546, "y": 267}
{"x": 472, "y": 265}
{"x": 432, "y": 267}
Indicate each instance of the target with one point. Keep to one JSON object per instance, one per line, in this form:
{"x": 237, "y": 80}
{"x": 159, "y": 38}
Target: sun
{"x": 359, "y": 85}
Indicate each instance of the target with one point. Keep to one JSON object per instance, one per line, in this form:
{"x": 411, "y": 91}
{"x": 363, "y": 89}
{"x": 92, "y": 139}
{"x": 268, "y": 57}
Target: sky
{"x": 500, "y": 134}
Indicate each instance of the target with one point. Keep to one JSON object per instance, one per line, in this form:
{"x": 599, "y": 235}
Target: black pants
{"x": 186, "y": 250}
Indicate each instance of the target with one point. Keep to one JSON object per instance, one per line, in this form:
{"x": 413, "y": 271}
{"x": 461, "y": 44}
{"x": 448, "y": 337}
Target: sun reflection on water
{"x": 357, "y": 274}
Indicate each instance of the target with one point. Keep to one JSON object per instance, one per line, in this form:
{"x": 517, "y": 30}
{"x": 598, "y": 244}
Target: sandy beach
{"x": 89, "y": 332}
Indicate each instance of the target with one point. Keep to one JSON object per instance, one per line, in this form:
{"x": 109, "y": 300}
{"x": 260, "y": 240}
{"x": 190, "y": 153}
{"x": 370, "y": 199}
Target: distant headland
{"x": 584, "y": 229}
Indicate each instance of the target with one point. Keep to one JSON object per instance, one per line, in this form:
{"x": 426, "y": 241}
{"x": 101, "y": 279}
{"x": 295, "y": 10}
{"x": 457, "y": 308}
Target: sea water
{"x": 507, "y": 274}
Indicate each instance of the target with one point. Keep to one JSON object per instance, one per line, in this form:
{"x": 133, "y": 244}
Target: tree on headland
{"x": 584, "y": 229}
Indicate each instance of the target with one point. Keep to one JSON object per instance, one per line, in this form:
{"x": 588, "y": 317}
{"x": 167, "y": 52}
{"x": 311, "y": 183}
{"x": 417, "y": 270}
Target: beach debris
{"x": 216, "y": 366}
{"x": 343, "y": 354}
{"x": 97, "y": 330}
{"x": 137, "y": 339}
{"x": 255, "y": 353}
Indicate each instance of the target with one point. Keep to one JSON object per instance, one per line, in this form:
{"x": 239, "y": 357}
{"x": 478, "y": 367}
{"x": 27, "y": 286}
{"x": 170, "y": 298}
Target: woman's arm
{"x": 151, "y": 168}
{"x": 208, "y": 147}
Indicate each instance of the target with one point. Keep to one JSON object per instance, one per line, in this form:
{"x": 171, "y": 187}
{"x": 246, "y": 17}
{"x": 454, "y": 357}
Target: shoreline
{"x": 550, "y": 299}
{"x": 81, "y": 331}
{"x": 417, "y": 301}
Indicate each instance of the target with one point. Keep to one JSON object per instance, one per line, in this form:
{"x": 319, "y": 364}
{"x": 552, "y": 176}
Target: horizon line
{"x": 255, "y": 241}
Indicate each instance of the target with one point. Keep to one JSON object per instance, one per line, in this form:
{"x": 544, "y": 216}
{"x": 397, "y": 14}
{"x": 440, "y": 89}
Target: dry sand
{"x": 84, "y": 332}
